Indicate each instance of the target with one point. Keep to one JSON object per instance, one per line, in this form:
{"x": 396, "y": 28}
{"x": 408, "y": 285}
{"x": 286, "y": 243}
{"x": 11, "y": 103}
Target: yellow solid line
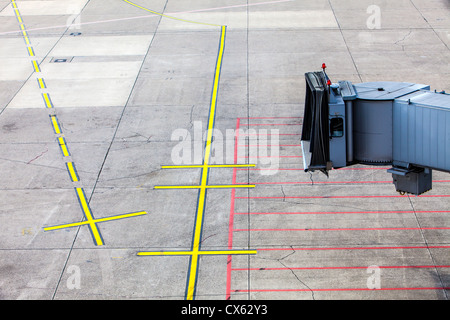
{"x": 170, "y": 17}
{"x": 70, "y": 225}
{"x": 190, "y": 253}
{"x": 202, "y": 195}
{"x": 64, "y": 149}
{"x": 122, "y": 216}
{"x": 72, "y": 172}
{"x": 210, "y": 166}
{"x": 89, "y": 218}
{"x": 208, "y": 186}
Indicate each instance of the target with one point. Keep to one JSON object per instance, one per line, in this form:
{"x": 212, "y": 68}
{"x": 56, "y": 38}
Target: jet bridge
{"x": 404, "y": 125}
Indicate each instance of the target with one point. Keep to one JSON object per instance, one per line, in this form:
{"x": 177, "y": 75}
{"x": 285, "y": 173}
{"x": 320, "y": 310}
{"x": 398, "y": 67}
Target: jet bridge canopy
{"x": 398, "y": 123}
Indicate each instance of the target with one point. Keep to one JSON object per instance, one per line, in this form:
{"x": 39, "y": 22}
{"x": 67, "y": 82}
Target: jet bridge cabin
{"x": 401, "y": 124}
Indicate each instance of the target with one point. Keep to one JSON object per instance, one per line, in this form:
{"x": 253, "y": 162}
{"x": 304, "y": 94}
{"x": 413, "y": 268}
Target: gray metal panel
{"x": 421, "y": 130}
{"x": 372, "y": 131}
{"x": 386, "y": 90}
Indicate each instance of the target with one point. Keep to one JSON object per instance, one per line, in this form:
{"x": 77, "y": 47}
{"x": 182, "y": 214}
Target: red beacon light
{"x": 324, "y": 66}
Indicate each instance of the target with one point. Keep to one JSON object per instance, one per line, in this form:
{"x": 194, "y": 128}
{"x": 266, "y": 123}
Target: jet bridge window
{"x": 336, "y": 127}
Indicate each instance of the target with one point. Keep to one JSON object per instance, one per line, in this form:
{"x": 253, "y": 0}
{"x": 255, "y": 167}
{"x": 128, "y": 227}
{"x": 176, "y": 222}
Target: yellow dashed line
{"x": 36, "y": 66}
{"x": 63, "y": 146}
{"x": 65, "y": 151}
{"x": 48, "y": 102}
{"x": 41, "y": 83}
{"x": 55, "y": 124}
{"x": 72, "y": 172}
{"x": 30, "y": 50}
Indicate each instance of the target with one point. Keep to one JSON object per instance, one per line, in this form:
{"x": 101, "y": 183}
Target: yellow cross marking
{"x": 90, "y": 218}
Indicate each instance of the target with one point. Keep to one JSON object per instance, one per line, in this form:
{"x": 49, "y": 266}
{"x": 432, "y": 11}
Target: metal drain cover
{"x": 61, "y": 59}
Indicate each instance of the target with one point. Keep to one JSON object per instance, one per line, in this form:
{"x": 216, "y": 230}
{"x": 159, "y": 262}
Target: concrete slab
{"x": 46, "y": 8}
{"x": 103, "y": 46}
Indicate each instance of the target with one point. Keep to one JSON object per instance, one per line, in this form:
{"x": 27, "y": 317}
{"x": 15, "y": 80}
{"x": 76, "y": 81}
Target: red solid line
{"x": 344, "y": 229}
{"x": 333, "y": 182}
{"x": 347, "y": 212}
{"x": 269, "y": 134}
{"x": 339, "y": 289}
{"x": 345, "y": 197}
{"x": 260, "y": 169}
{"x": 252, "y": 118}
{"x": 355, "y": 248}
{"x": 258, "y": 157}
{"x": 301, "y": 169}
{"x": 271, "y": 145}
{"x": 336, "y": 268}
{"x": 323, "y": 182}
{"x": 273, "y": 124}
{"x": 350, "y": 168}
{"x": 231, "y": 221}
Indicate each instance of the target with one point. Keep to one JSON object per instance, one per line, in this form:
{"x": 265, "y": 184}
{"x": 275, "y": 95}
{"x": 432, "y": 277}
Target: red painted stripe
{"x": 346, "y": 197}
{"x": 260, "y": 169}
{"x": 231, "y": 221}
{"x": 271, "y": 145}
{"x": 355, "y": 248}
{"x": 348, "y": 212}
{"x": 273, "y": 124}
{"x": 269, "y": 134}
{"x": 339, "y": 289}
{"x": 337, "y": 268}
{"x": 258, "y": 157}
{"x": 345, "y": 229}
{"x": 334, "y": 182}
{"x": 301, "y": 169}
{"x": 274, "y": 118}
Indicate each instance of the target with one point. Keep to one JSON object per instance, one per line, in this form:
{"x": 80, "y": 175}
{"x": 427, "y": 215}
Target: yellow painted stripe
{"x": 62, "y": 144}
{"x": 55, "y": 124}
{"x": 27, "y": 40}
{"x": 190, "y": 253}
{"x": 14, "y": 4}
{"x": 225, "y": 186}
{"x": 36, "y": 66}
{"x": 22, "y": 26}
{"x": 30, "y": 51}
{"x": 122, "y": 216}
{"x": 210, "y": 166}
{"x": 72, "y": 171}
{"x": 204, "y": 178}
{"x": 170, "y": 17}
{"x": 47, "y": 100}
{"x": 89, "y": 217}
{"x": 76, "y": 224}
{"x": 67, "y": 225}
{"x": 41, "y": 83}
